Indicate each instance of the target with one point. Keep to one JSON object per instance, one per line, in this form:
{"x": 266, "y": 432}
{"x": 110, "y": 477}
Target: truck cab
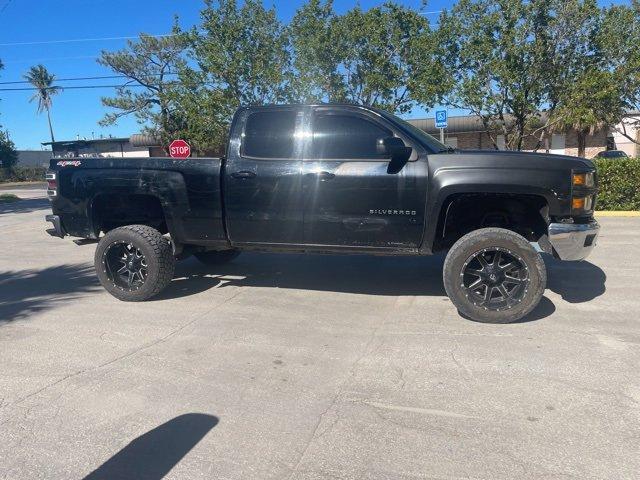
{"x": 319, "y": 177}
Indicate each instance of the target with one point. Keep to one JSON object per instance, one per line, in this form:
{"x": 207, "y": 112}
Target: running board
{"x": 86, "y": 241}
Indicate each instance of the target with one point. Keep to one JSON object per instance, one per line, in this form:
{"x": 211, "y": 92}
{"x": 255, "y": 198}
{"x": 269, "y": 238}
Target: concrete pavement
{"x": 310, "y": 367}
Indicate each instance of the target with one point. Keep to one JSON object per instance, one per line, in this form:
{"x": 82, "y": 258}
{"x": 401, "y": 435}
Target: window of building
{"x": 346, "y": 136}
{"x": 270, "y": 134}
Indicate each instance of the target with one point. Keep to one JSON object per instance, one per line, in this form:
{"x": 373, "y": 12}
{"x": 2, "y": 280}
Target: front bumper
{"x": 573, "y": 241}
{"x": 57, "y": 230}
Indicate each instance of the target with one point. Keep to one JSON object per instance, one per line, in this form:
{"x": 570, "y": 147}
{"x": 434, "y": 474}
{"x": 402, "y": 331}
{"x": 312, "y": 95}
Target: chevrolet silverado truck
{"x": 339, "y": 179}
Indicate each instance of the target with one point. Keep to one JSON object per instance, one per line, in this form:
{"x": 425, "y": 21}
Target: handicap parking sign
{"x": 441, "y": 119}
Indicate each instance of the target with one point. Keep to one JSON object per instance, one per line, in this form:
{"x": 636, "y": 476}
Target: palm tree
{"x": 42, "y": 80}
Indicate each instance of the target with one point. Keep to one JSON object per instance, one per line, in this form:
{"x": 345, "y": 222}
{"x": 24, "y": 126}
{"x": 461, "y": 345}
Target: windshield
{"x": 423, "y": 137}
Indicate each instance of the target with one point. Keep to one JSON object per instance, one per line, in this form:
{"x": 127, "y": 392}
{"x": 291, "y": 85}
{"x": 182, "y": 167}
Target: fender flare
{"x": 451, "y": 182}
{"x": 167, "y": 186}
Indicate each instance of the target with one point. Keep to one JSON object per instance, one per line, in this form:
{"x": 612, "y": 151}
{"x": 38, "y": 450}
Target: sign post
{"x": 441, "y": 122}
{"x": 179, "y": 149}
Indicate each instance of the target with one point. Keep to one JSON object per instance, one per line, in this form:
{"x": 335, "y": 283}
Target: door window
{"x": 344, "y": 136}
{"x": 270, "y": 134}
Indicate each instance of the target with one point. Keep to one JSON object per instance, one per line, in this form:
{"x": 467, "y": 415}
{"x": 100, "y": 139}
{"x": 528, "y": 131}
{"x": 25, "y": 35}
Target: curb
{"x": 22, "y": 185}
{"x": 609, "y": 213}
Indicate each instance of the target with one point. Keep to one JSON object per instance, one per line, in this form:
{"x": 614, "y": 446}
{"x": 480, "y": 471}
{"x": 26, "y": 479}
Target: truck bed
{"x": 188, "y": 191}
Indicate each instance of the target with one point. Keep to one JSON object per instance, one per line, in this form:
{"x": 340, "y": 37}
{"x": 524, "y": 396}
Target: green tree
{"x": 243, "y": 51}
{"x": 584, "y": 105}
{"x": 42, "y": 80}
{"x": 8, "y": 154}
{"x": 388, "y": 56}
{"x": 510, "y": 59}
{"x": 151, "y": 64}
{"x": 238, "y": 55}
{"x": 568, "y": 33}
{"x": 318, "y": 52}
{"x": 382, "y": 57}
{"x": 604, "y": 85}
{"x": 202, "y": 115}
{"x": 617, "y": 50}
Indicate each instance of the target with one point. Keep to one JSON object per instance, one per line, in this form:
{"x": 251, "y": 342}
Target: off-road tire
{"x": 507, "y": 241}
{"x": 216, "y": 257}
{"x": 158, "y": 255}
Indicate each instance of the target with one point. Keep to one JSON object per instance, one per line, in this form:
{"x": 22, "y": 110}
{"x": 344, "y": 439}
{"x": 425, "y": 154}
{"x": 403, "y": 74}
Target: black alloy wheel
{"x": 134, "y": 262}
{"x": 494, "y": 275}
{"x": 125, "y": 265}
{"x": 495, "y": 278}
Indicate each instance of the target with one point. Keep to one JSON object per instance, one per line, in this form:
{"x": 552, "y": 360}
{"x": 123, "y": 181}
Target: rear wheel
{"x": 494, "y": 275}
{"x": 134, "y": 262}
{"x": 216, "y": 257}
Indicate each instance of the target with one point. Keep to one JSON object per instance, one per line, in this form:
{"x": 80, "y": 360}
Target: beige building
{"x": 467, "y": 132}
{"x": 99, "y": 147}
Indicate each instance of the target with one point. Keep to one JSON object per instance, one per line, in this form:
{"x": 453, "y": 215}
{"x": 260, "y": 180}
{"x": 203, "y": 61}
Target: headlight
{"x": 583, "y": 180}
{"x": 582, "y": 204}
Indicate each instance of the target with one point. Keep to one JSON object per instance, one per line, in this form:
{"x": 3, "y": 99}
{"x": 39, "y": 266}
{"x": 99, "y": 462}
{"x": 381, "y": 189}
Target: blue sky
{"x": 77, "y": 112}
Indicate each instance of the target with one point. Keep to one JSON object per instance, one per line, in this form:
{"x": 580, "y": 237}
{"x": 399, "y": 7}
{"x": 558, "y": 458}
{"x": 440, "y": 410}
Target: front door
{"x": 350, "y": 198}
{"x": 262, "y": 178}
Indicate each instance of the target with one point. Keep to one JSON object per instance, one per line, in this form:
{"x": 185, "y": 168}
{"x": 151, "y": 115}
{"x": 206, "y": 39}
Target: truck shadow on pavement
{"x": 152, "y": 455}
{"x": 332, "y": 273}
{"x": 26, "y": 205}
{"x": 575, "y": 282}
{"x": 25, "y": 292}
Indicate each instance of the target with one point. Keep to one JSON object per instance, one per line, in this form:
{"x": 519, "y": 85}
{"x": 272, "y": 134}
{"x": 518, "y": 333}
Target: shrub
{"x": 619, "y": 183}
{"x": 8, "y": 154}
{"x": 8, "y": 198}
{"x": 22, "y": 174}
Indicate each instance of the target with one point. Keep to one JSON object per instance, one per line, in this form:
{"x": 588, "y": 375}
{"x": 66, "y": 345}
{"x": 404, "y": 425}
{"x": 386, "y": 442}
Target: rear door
{"x": 350, "y": 198}
{"x": 262, "y": 179}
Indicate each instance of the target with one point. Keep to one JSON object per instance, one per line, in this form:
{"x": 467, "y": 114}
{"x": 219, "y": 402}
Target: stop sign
{"x": 179, "y": 149}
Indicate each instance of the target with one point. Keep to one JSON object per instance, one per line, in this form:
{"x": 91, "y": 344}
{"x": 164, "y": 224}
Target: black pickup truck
{"x": 334, "y": 179}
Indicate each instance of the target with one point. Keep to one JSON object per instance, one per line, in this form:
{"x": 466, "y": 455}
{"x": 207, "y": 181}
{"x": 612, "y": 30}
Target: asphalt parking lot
{"x": 312, "y": 367}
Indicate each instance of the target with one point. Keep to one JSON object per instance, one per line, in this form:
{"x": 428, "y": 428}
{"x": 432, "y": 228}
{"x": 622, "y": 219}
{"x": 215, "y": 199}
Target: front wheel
{"x": 134, "y": 262}
{"x": 494, "y": 275}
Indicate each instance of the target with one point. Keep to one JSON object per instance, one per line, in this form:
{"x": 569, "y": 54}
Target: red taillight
{"x": 52, "y": 185}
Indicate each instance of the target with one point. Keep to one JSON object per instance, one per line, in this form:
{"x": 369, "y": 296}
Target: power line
{"x": 73, "y": 79}
{"x": 77, "y": 87}
{"x": 67, "y": 79}
{"x": 76, "y": 40}
{"x": 82, "y": 87}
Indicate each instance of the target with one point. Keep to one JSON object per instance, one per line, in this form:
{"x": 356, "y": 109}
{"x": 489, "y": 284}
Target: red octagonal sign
{"x": 179, "y": 149}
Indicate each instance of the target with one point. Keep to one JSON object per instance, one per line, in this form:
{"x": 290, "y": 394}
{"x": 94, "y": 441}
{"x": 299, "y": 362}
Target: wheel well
{"x": 527, "y": 215}
{"x": 111, "y": 211}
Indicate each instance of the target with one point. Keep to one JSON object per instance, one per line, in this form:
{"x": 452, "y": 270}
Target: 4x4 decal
{"x": 69, "y": 163}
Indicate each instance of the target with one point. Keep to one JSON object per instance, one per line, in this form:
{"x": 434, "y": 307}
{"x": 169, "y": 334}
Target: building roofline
{"x": 93, "y": 140}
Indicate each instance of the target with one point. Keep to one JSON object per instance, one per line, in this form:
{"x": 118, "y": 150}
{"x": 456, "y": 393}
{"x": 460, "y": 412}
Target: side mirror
{"x": 394, "y": 148}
